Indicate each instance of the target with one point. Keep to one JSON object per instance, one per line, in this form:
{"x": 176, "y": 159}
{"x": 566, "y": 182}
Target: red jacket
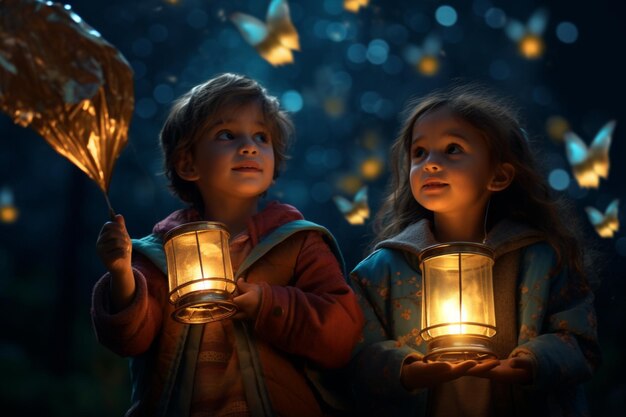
{"x": 308, "y": 313}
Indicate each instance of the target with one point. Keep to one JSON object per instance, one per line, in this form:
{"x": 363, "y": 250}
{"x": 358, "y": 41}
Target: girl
{"x": 463, "y": 171}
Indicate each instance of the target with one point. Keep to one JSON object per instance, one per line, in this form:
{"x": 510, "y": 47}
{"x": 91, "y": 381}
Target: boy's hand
{"x": 114, "y": 246}
{"x": 418, "y": 374}
{"x": 248, "y": 300}
{"x": 518, "y": 370}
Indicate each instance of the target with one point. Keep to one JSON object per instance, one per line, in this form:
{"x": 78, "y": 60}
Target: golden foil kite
{"x": 273, "y": 40}
{"x": 590, "y": 164}
{"x": 62, "y": 79}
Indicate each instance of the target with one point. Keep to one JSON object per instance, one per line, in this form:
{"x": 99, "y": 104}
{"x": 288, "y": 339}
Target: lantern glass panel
{"x": 458, "y": 295}
{"x": 200, "y": 274}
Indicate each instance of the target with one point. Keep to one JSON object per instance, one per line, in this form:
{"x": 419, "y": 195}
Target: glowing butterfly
{"x": 529, "y": 36}
{"x": 354, "y": 5}
{"x": 588, "y": 165}
{"x": 356, "y": 211}
{"x": 8, "y": 211}
{"x": 273, "y": 40}
{"x": 605, "y": 224}
{"x": 425, "y": 58}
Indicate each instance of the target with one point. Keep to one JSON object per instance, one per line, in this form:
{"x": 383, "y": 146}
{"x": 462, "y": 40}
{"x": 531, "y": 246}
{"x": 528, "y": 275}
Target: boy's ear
{"x": 502, "y": 177}
{"x": 185, "y": 168}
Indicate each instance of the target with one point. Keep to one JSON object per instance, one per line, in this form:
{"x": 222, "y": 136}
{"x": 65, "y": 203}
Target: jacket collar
{"x": 272, "y": 216}
{"x": 504, "y": 237}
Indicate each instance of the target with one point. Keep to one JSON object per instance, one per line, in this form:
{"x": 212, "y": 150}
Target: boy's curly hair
{"x": 197, "y": 109}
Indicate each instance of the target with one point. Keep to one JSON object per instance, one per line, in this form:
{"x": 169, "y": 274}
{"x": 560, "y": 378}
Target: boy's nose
{"x": 248, "y": 146}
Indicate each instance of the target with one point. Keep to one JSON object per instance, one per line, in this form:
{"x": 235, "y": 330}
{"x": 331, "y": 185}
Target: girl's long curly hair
{"x": 528, "y": 199}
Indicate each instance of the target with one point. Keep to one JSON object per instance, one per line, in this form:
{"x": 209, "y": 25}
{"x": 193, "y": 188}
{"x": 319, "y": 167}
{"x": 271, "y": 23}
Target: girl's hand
{"x": 114, "y": 247}
{"x": 419, "y": 374}
{"x": 248, "y": 300}
{"x": 518, "y": 370}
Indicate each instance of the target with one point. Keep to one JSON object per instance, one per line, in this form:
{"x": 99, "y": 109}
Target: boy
{"x": 224, "y": 143}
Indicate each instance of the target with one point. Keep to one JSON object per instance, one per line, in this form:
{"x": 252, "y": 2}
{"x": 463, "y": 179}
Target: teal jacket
{"x": 552, "y": 320}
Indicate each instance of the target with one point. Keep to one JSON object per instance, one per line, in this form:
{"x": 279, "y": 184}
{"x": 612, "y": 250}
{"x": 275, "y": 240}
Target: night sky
{"x": 345, "y": 90}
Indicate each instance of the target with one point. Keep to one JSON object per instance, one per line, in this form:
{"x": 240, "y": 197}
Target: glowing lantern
{"x": 458, "y": 313}
{"x": 200, "y": 274}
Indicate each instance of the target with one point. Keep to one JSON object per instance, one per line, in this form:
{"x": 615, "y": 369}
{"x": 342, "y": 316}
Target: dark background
{"x": 50, "y": 362}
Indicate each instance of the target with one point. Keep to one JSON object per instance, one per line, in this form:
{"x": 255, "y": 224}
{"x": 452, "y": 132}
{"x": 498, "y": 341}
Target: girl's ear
{"x": 502, "y": 177}
{"x": 185, "y": 168}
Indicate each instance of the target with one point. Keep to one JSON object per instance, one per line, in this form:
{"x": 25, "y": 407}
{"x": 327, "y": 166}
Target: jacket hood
{"x": 272, "y": 216}
{"x": 504, "y": 237}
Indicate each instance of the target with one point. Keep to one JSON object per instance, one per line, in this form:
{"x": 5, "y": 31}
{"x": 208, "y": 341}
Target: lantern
{"x": 458, "y": 313}
{"x": 199, "y": 271}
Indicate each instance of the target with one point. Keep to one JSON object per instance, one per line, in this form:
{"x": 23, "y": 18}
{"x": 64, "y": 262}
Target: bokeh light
{"x": 377, "y": 51}
{"x": 446, "y": 15}
{"x": 495, "y": 18}
{"x": 531, "y": 46}
{"x": 567, "y": 32}
{"x": 559, "y": 179}
{"x": 556, "y": 126}
{"x": 292, "y": 101}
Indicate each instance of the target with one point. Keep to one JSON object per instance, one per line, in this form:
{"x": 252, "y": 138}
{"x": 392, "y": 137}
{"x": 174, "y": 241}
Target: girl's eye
{"x": 225, "y": 135}
{"x": 419, "y": 153}
{"x": 454, "y": 148}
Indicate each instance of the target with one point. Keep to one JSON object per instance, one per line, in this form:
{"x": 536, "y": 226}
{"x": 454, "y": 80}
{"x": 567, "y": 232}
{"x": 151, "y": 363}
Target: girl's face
{"x": 451, "y": 172}
{"x": 234, "y": 158}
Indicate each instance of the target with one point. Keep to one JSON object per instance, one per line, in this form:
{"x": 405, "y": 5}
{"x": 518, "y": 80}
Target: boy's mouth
{"x": 248, "y": 166}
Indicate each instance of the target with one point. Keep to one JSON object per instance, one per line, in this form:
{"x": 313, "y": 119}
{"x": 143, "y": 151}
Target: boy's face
{"x": 234, "y": 158}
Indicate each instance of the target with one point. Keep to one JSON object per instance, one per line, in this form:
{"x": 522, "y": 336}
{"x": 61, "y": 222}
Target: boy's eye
{"x": 224, "y": 135}
{"x": 261, "y": 137}
{"x": 454, "y": 148}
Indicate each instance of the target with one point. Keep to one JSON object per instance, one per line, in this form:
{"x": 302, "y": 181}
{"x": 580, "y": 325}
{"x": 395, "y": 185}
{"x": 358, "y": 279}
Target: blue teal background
{"x": 50, "y": 362}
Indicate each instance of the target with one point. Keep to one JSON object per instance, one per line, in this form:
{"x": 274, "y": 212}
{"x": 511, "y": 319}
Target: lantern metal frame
{"x": 208, "y": 305}
{"x": 456, "y": 347}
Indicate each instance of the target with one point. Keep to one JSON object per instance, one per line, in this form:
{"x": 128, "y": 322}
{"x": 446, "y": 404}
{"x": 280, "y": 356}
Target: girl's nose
{"x": 248, "y": 145}
{"x": 432, "y": 163}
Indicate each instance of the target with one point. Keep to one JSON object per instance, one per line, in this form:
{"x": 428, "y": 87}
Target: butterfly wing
{"x": 361, "y": 207}
{"x": 515, "y": 30}
{"x": 252, "y": 29}
{"x": 538, "y": 21}
{"x": 354, "y": 5}
{"x": 280, "y": 26}
{"x": 611, "y": 215}
{"x": 597, "y": 220}
{"x": 578, "y": 157}
{"x": 599, "y": 149}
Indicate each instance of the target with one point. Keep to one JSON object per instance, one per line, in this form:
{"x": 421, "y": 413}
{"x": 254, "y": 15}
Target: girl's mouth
{"x": 434, "y": 185}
